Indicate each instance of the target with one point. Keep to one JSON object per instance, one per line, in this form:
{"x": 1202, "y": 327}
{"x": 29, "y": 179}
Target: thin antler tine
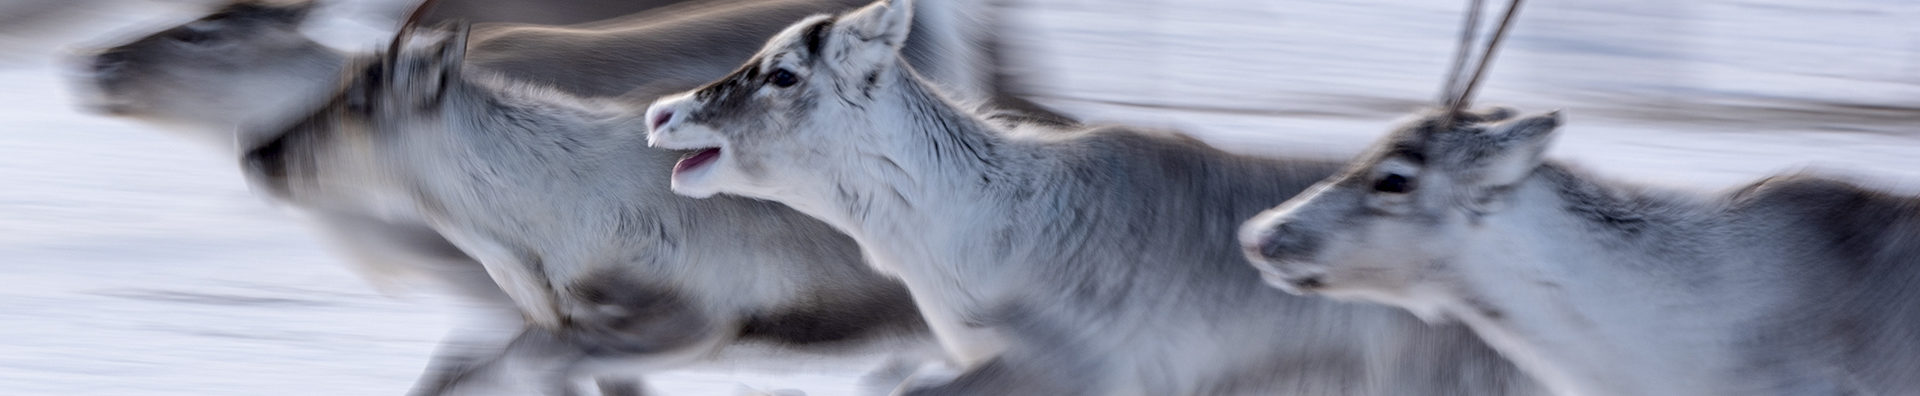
{"x": 1451, "y": 87}
{"x": 1493, "y": 46}
{"x": 406, "y": 25}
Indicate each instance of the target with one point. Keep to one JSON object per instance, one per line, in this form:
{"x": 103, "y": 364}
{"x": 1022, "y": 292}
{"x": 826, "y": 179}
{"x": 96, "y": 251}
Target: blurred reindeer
{"x": 247, "y": 65}
{"x": 1795, "y": 285}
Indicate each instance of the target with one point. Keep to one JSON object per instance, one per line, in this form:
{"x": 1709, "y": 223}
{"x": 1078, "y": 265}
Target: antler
{"x": 1460, "y": 54}
{"x": 407, "y": 25}
{"x": 1458, "y": 93}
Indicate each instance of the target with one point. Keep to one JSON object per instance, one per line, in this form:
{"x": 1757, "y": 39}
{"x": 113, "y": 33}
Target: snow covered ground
{"x": 135, "y": 262}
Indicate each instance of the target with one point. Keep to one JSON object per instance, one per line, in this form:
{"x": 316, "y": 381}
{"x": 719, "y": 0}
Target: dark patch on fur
{"x": 1010, "y": 117}
{"x": 1486, "y": 310}
{"x": 1600, "y": 206}
{"x": 728, "y": 95}
{"x": 825, "y": 320}
{"x": 255, "y": 12}
{"x": 1851, "y": 220}
{"x": 1852, "y": 324}
{"x": 1409, "y": 152}
{"x": 816, "y": 36}
{"x": 645, "y": 319}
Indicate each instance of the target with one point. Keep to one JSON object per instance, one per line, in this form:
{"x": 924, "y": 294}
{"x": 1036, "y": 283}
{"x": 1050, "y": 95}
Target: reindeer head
{"x": 1397, "y": 217}
{"x": 797, "y": 113}
{"x": 366, "y": 141}
{"x": 244, "y": 61}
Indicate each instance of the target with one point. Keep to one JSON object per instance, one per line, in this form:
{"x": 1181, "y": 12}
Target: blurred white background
{"x": 136, "y": 262}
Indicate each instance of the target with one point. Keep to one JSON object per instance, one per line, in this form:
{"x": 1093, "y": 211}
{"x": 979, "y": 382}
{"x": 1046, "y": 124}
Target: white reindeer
{"x": 1091, "y": 262}
{"x": 1794, "y": 285}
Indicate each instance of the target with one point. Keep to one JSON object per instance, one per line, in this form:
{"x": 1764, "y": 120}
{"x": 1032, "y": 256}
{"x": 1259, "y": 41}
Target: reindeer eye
{"x": 199, "y": 32}
{"x": 360, "y": 94}
{"x": 359, "y": 102}
{"x": 782, "y": 78}
{"x": 189, "y": 36}
{"x": 1393, "y": 184}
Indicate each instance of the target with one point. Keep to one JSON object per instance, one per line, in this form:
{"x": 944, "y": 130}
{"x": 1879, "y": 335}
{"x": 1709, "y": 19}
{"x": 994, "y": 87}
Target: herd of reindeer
{"x": 828, "y": 177}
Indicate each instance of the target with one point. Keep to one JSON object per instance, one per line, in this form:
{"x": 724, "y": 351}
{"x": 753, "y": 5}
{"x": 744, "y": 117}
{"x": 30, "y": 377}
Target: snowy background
{"x": 136, "y": 262}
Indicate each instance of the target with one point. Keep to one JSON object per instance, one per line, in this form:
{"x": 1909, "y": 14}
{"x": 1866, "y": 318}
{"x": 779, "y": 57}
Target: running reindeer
{"x": 1794, "y": 285}
{"x": 247, "y": 63}
{"x": 1090, "y": 262}
{"x": 571, "y": 216}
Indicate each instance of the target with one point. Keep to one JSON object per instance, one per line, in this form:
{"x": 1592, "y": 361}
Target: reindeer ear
{"x": 1515, "y": 148}
{"x": 886, "y": 22}
{"x": 424, "y": 71}
{"x": 294, "y": 12}
{"x": 452, "y": 50}
{"x": 288, "y": 12}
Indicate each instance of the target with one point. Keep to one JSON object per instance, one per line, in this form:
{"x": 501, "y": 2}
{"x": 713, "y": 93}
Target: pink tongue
{"x": 696, "y": 160}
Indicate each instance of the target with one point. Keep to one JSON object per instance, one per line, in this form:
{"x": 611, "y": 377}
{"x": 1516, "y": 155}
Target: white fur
{"x": 926, "y": 187}
{"x": 1580, "y": 325}
{"x": 942, "y": 302}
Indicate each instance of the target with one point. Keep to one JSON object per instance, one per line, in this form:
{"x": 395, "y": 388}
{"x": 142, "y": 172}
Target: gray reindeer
{"x": 247, "y": 63}
{"x": 1795, "y": 285}
{"x": 1098, "y": 261}
{"x": 545, "y": 190}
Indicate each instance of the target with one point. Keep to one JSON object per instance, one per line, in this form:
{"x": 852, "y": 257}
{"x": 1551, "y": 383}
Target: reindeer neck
{"x": 1594, "y": 288}
{"x": 915, "y": 187}
{"x": 925, "y": 155}
{"x": 936, "y": 132}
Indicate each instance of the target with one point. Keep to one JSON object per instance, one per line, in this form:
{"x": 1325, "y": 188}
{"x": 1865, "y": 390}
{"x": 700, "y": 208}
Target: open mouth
{"x": 107, "y": 107}
{"x": 98, "y": 96}
{"x": 1293, "y": 284}
{"x": 696, "y": 160}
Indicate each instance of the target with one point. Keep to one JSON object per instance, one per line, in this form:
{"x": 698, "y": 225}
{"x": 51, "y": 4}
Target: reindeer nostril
{"x": 1271, "y": 247}
{"x": 108, "y": 62}
{"x": 1308, "y": 283}
{"x": 268, "y": 160}
{"x": 1282, "y": 241}
{"x": 660, "y": 118}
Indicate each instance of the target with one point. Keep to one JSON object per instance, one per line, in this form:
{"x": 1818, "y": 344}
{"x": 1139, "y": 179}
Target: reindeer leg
{"x": 1004, "y": 376}
{"x": 621, "y": 387}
